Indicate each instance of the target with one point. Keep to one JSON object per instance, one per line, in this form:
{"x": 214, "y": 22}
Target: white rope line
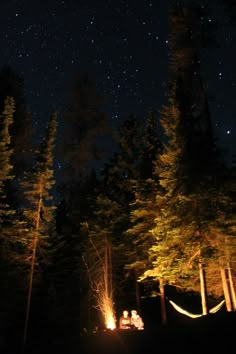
{"x": 217, "y": 307}
{"x": 192, "y": 315}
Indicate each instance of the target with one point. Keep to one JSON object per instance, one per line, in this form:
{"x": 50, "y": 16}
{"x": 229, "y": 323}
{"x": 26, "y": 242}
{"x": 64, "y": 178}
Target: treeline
{"x": 161, "y": 210}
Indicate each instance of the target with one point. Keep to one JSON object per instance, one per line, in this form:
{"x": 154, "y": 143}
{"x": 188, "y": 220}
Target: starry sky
{"x": 122, "y": 43}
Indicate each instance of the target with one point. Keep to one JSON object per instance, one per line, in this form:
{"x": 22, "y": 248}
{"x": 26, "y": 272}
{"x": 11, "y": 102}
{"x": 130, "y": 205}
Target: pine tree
{"x": 84, "y": 126}
{"x": 101, "y": 254}
{"x": 69, "y": 272}
{"x": 143, "y": 208}
{"x": 165, "y": 260}
{"x": 6, "y": 166}
{"x": 188, "y": 168}
{"x": 8, "y": 286}
{"x": 111, "y": 210}
{"x": 84, "y": 122}
{"x": 222, "y": 237}
{"x": 205, "y": 169}
{"x": 20, "y": 130}
{"x": 39, "y": 210}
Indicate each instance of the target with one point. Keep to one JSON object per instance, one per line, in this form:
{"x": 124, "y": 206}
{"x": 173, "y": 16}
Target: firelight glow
{"x": 107, "y": 310}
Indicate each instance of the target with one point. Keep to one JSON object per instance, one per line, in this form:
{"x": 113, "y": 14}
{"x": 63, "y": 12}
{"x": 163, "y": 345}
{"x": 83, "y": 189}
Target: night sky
{"x": 123, "y": 44}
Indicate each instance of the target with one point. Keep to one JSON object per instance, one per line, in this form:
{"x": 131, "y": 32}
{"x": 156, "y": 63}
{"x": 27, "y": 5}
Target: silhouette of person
{"x": 136, "y": 320}
{"x": 124, "y": 322}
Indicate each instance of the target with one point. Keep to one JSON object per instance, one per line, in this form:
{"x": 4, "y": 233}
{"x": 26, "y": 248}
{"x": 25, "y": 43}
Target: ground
{"x": 211, "y": 334}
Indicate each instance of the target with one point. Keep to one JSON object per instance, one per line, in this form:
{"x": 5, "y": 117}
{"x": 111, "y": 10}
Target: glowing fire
{"x": 107, "y": 310}
{"x": 101, "y": 283}
{"x": 110, "y": 322}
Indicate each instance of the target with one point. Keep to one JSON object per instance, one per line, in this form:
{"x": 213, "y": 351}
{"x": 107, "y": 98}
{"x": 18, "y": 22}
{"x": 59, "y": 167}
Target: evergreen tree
{"x": 150, "y": 146}
{"x": 143, "y": 209}
{"x": 111, "y": 211}
{"x": 123, "y": 168}
{"x": 20, "y": 130}
{"x": 39, "y": 210}
{"x": 222, "y": 238}
{"x": 84, "y": 126}
{"x": 84, "y": 122}
{"x": 166, "y": 251}
{"x": 8, "y": 285}
{"x": 100, "y": 257}
{"x": 6, "y": 167}
{"x": 70, "y": 286}
{"x": 189, "y": 167}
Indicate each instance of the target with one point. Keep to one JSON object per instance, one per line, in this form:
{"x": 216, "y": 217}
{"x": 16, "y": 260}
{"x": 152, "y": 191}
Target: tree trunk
{"x": 225, "y": 286}
{"x": 109, "y": 268}
{"x": 203, "y": 289}
{"x": 34, "y": 248}
{"x": 231, "y": 287}
{"x": 163, "y": 302}
{"x": 106, "y": 268}
{"x": 30, "y": 291}
{"x": 137, "y": 294}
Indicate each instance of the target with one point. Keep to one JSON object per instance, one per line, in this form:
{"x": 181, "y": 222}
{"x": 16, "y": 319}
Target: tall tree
{"x": 189, "y": 166}
{"x": 83, "y": 123}
{"x": 222, "y": 237}
{"x": 84, "y": 127}
{"x": 20, "y": 130}
{"x": 39, "y": 210}
{"x": 111, "y": 210}
{"x": 6, "y": 167}
{"x": 143, "y": 208}
{"x": 7, "y": 218}
{"x": 70, "y": 285}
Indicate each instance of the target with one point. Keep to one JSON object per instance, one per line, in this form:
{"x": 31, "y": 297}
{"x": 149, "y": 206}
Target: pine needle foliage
{"x": 6, "y": 166}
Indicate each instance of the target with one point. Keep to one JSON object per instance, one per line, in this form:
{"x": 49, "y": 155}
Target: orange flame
{"x": 107, "y": 310}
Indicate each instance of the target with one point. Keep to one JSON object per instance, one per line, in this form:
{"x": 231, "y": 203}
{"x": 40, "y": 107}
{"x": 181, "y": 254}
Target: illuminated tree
{"x": 39, "y": 210}
{"x": 111, "y": 208}
{"x": 144, "y": 207}
{"x": 6, "y": 166}
{"x": 222, "y": 237}
{"x": 121, "y": 178}
{"x": 166, "y": 252}
{"x": 150, "y": 146}
{"x": 20, "y": 130}
{"x": 189, "y": 168}
{"x": 137, "y": 147}
{"x": 7, "y": 212}
{"x": 100, "y": 256}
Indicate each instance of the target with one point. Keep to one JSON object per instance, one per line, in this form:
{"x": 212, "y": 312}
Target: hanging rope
{"x": 217, "y": 307}
{"x": 192, "y": 315}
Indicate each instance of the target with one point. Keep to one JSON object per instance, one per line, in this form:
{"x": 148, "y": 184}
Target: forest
{"x": 81, "y": 243}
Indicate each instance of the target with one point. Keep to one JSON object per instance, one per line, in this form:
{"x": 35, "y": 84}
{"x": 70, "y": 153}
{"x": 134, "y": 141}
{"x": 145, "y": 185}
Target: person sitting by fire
{"x": 136, "y": 320}
{"x": 124, "y": 322}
